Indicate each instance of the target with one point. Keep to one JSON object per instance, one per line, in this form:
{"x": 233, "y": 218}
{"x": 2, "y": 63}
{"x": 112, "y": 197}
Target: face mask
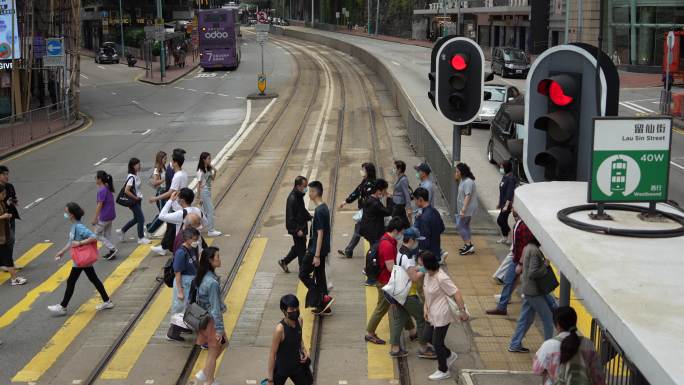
{"x": 399, "y": 237}
{"x": 414, "y": 246}
{"x": 418, "y": 175}
{"x": 393, "y": 171}
{"x": 194, "y": 244}
{"x": 501, "y": 171}
{"x": 66, "y": 216}
{"x": 293, "y": 315}
{"x": 422, "y": 269}
{"x": 306, "y": 190}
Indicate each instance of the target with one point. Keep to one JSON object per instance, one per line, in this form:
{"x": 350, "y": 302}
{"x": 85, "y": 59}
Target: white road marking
{"x": 157, "y": 113}
{"x": 113, "y": 93}
{"x": 146, "y": 132}
{"x": 250, "y": 382}
{"x": 209, "y": 93}
{"x": 76, "y": 382}
{"x": 179, "y": 88}
{"x": 101, "y": 67}
{"x": 149, "y": 381}
{"x": 679, "y": 166}
{"x": 190, "y": 89}
{"x": 221, "y": 94}
{"x": 134, "y": 102}
{"x": 239, "y": 97}
{"x": 99, "y": 162}
{"x": 632, "y": 107}
{"x": 28, "y": 206}
{"x": 642, "y": 100}
{"x": 639, "y": 106}
{"x": 396, "y": 64}
{"x": 83, "y": 76}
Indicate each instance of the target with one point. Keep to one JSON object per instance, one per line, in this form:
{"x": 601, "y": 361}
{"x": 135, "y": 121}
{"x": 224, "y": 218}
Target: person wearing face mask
{"x": 209, "y": 298}
{"x": 413, "y": 306}
{"x": 360, "y": 194}
{"x": 297, "y": 219}
{"x": 79, "y": 235}
{"x": 423, "y": 175}
{"x": 185, "y": 269}
{"x": 288, "y": 357}
{"x": 386, "y": 254}
{"x": 181, "y": 204}
{"x": 401, "y": 196}
{"x": 506, "y": 191}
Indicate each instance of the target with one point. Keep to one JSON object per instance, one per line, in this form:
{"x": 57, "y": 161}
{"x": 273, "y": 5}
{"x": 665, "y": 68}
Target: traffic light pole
{"x": 565, "y": 286}
{"x": 455, "y": 159}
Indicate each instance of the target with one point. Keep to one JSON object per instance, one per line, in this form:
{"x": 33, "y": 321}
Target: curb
{"x": 80, "y": 123}
{"x": 190, "y": 69}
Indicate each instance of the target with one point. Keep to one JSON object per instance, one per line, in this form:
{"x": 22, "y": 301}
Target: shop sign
{"x": 9, "y": 32}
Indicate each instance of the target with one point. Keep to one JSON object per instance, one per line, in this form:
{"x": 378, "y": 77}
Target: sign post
{"x": 630, "y": 160}
{"x": 261, "y": 38}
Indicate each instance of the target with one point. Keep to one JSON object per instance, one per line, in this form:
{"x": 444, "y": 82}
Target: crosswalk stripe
{"x": 128, "y": 354}
{"x": 380, "y": 365}
{"x": 73, "y": 326}
{"x": 237, "y": 295}
{"x": 27, "y": 258}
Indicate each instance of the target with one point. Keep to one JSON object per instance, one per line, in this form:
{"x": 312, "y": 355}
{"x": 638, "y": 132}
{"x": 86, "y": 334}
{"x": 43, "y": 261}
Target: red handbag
{"x": 85, "y": 255}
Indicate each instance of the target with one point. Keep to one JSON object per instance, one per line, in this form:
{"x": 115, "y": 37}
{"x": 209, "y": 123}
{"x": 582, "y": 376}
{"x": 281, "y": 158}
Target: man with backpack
{"x": 372, "y": 224}
{"x": 179, "y": 180}
{"x": 185, "y": 269}
{"x": 383, "y": 252}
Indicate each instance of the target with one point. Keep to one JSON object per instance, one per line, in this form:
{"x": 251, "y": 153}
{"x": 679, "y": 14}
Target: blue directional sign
{"x": 55, "y": 47}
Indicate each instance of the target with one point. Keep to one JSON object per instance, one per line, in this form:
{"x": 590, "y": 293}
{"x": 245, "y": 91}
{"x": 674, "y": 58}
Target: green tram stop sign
{"x": 630, "y": 159}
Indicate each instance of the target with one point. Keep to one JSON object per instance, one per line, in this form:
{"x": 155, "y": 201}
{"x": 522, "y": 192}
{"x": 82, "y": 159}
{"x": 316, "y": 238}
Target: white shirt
{"x": 132, "y": 178}
{"x": 176, "y": 217}
{"x": 179, "y": 181}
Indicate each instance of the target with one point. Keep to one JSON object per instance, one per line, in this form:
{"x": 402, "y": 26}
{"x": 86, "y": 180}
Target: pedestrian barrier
{"x": 677, "y": 108}
{"x": 618, "y": 368}
{"x": 19, "y": 130}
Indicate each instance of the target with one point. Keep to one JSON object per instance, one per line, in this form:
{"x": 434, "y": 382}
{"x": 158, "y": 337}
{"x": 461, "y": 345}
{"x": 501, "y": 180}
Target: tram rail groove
{"x": 124, "y": 334}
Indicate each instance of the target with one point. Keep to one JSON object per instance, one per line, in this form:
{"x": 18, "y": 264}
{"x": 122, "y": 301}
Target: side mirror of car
{"x": 487, "y": 95}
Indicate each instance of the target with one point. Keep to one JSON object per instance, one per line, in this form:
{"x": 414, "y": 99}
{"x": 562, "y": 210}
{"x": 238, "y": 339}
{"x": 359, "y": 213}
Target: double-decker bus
{"x": 219, "y": 38}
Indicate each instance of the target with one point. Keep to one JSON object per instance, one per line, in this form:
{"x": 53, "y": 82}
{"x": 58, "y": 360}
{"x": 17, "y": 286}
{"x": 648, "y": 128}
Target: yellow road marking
{"x": 26, "y": 258}
{"x": 237, "y": 295}
{"x": 307, "y": 316}
{"x": 678, "y": 130}
{"x": 54, "y": 348}
{"x": 380, "y": 365}
{"x": 128, "y": 354}
{"x": 57, "y": 138}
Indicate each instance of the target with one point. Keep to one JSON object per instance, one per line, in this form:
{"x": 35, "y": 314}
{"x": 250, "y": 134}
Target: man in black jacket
{"x": 372, "y": 224}
{"x": 296, "y": 221}
{"x": 11, "y": 196}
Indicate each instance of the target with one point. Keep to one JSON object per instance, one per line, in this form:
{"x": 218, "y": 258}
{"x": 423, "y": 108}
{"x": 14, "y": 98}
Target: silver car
{"x": 498, "y": 94}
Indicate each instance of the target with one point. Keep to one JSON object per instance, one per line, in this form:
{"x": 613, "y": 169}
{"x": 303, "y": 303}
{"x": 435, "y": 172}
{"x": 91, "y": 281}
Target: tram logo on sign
{"x": 618, "y": 174}
{"x": 54, "y": 47}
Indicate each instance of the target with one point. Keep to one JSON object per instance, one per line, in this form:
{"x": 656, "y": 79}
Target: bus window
{"x": 209, "y": 18}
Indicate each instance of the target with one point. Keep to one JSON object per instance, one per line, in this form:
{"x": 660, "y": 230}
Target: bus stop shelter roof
{"x": 633, "y": 286}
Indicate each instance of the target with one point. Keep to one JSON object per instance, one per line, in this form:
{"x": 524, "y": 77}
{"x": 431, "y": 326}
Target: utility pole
{"x": 377, "y": 18}
{"x": 580, "y": 20}
{"x": 567, "y": 21}
{"x": 312, "y": 13}
{"x": 444, "y": 13}
{"x": 458, "y": 18}
{"x": 368, "y": 30}
{"x": 162, "y": 51}
{"x": 123, "y": 48}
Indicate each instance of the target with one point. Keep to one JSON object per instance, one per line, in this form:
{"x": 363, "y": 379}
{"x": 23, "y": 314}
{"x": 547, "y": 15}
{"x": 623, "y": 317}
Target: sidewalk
{"x": 172, "y": 73}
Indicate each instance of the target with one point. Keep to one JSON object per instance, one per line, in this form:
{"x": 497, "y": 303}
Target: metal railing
{"x": 618, "y": 368}
{"x": 21, "y": 129}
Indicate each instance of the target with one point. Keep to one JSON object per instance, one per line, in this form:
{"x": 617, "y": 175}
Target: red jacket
{"x": 387, "y": 251}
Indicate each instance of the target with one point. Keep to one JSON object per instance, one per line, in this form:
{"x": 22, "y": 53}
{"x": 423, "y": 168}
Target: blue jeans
{"x": 463, "y": 227}
{"x": 156, "y": 222}
{"x": 208, "y": 208}
{"x": 178, "y": 306}
{"x": 507, "y": 291}
{"x": 138, "y": 218}
{"x": 538, "y": 304}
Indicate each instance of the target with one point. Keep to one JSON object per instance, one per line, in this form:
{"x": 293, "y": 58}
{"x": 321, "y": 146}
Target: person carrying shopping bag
{"x": 83, "y": 245}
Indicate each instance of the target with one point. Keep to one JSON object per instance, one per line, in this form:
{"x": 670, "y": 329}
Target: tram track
{"x": 93, "y": 376}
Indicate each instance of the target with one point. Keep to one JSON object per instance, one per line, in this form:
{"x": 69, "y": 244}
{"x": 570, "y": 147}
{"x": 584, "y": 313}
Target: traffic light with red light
{"x": 563, "y": 98}
{"x": 456, "y": 79}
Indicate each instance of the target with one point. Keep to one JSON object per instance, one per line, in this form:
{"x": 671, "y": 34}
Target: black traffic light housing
{"x": 561, "y": 123}
{"x": 457, "y": 79}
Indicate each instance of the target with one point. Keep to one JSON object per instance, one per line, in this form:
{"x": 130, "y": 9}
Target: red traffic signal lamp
{"x": 456, "y": 79}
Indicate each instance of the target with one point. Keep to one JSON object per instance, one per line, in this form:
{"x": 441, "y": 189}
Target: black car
{"x": 505, "y": 143}
{"x": 508, "y": 61}
{"x": 107, "y": 54}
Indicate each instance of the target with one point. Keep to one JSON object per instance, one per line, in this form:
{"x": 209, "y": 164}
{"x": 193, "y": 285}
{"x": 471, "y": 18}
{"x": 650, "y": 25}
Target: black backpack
{"x": 372, "y": 265}
{"x": 168, "y": 275}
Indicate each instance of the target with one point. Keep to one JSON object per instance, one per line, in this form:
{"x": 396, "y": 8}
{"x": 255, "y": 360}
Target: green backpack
{"x": 573, "y": 372}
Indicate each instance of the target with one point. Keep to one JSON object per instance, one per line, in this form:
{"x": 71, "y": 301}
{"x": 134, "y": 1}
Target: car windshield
{"x": 498, "y": 94}
{"x": 510, "y": 54}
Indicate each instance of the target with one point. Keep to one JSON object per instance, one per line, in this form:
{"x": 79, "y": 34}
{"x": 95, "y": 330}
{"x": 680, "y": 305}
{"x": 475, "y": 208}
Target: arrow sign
{"x": 54, "y": 47}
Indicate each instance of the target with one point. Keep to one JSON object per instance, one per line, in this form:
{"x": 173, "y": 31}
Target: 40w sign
{"x": 630, "y": 160}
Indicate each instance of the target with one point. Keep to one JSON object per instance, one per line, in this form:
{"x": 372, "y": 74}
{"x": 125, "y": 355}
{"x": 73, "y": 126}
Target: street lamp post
{"x": 121, "y": 21}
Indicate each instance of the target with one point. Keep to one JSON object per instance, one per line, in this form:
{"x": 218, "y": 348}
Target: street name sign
{"x": 262, "y": 32}
{"x": 630, "y": 161}
{"x": 53, "y": 61}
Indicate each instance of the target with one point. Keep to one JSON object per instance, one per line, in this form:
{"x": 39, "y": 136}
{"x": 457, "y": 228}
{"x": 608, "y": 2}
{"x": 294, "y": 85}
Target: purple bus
{"x": 219, "y": 38}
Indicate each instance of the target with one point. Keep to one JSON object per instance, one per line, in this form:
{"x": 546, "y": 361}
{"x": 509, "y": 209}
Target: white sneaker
{"x": 159, "y": 250}
{"x": 57, "y": 309}
{"x": 497, "y": 296}
{"x": 451, "y": 359}
{"x": 144, "y": 241}
{"x": 214, "y": 233}
{"x": 104, "y": 305}
{"x": 200, "y": 376}
{"x": 120, "y": 236}
{"x": 502, "y": 240}
{"x": 439, "y": 375}
{"x": 18, "y": 281}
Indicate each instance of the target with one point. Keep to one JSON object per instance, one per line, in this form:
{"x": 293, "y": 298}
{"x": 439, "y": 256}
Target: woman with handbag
{"x": 83, "y": 245}
{"x": 536, "y": 282}
{"x": 288, "y": 357}
{"x": 7, "y": 240}
{"x": 156, "y": 181}
{"x": 360, "y": 194}
{"x": 438, "y": 289}
{"x": 132, "y": 189}
{"x": 209, "y": 298}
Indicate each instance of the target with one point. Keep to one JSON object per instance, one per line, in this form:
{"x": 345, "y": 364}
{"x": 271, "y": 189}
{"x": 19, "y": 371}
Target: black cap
{"x": 423, "y": 167}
